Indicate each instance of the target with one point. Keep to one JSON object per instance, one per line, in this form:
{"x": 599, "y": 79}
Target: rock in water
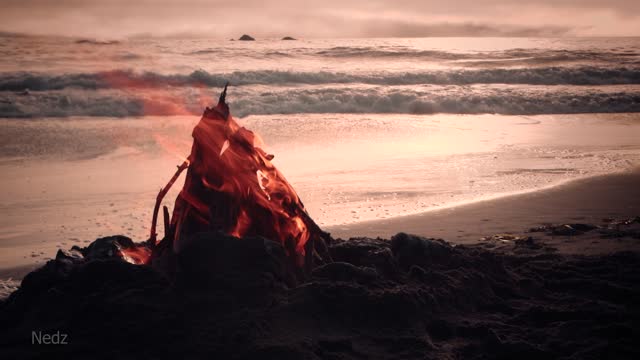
{"x": 246, "y": 37}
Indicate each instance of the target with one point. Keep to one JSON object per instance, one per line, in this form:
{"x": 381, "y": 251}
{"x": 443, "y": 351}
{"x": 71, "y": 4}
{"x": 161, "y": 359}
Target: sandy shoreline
{"x": 587, "y": 200}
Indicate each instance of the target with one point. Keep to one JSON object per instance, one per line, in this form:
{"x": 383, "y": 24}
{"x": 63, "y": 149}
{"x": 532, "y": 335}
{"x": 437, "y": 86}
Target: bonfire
{"x": 233, "y": 187}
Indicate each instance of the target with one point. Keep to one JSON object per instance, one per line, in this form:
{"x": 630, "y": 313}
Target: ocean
{"x": 410, "y": 76}
{"x": 364, "y": 129}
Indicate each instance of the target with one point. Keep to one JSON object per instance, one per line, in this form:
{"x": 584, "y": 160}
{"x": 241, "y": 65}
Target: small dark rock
{"x": 417, "y": 272}
{"x": 414, "y": 250}
{"x": 341, "y": 271}
{"x": 288, "y": 38}
{"x": 246, "y": 37}
{"x": 72, "y": 255}
{"x": 565, "y": 230}
{"x": 528, "y": 243}
{"x": 583, "y": 227}
{"x": 107, "y": 247}
{"x": 543, "y": 228}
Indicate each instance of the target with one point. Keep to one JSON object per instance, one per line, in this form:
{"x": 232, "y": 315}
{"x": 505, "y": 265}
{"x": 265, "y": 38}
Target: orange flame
{"x": 232, "y": 186}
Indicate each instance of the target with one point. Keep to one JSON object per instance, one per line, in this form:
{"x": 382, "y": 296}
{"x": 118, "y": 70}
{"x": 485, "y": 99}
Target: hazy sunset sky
{"x": 326, "y": 18}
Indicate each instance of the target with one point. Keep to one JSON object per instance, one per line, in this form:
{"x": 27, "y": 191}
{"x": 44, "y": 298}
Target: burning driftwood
{"x": 232, "y": 186}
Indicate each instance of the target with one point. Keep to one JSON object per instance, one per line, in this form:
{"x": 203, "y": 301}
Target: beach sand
{"x": 590, "y": 200}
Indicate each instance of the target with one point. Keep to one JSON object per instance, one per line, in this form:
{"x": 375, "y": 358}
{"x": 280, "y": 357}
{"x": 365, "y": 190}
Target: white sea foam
{"x": 335, "y": 98}
{"x": 589, "y": 75}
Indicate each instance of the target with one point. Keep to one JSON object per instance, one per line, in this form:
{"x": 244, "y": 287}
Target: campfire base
{"x": 216, "y": 260}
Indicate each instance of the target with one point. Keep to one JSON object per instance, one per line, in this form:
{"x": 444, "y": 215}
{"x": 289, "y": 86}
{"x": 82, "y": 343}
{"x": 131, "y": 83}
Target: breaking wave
{"x": 430, "y": 102}
{"x": 326, "y": 100}
{"x": 588, "y": 75}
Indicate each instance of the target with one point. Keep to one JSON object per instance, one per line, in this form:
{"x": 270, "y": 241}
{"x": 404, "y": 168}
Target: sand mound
{"x": 409, "y": 297}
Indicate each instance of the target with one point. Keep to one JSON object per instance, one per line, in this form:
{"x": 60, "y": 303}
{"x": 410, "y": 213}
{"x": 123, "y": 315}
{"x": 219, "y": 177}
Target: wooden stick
{"x": 153, "y": 235}
{"x": 167, "y": 223}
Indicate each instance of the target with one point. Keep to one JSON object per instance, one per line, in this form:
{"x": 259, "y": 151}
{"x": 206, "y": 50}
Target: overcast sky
{"x": 326, "y": 18}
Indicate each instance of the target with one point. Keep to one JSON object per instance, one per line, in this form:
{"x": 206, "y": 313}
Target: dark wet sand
{"x": 582, "y": 201}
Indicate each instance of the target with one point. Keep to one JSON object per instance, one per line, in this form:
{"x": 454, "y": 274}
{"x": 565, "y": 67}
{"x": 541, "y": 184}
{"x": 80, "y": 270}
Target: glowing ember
{"x": 135, "y": 255}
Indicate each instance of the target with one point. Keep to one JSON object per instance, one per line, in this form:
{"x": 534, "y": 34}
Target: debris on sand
{"x": 515, "y": 244}
{"x": 621, "y": 228}
{"x": 504, "y": 238}
{"x": 8, "y": 286}
{"x": 610, "y": 228}
{"x": 564, "y": 229}
{"x": 408, "y": 297}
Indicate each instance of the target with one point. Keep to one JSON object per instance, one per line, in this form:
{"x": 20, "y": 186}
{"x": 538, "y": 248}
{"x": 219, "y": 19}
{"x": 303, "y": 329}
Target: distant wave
{"x": 128, "y": 79}
{"x": 532, "y": 56}
{"x": 325, "y": 100}
{"x": 535, "y": 55}
{"x": 97, "y": 42}
{"x": 390, "y": 52}
{"x": 272, "y": 53}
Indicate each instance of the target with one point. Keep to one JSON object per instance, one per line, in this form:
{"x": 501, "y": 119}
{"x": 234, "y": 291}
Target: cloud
{"x": 382, "y": 28}
{"x": 327, "y": 18}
